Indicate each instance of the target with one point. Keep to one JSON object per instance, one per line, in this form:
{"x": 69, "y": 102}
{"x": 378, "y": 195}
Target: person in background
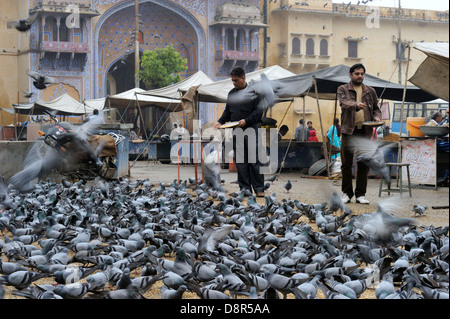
{"x": 359, "y": 103}
{"x": 94, "y": 118}
{"x": 301, "y": 132}
{"x": 312, "y": 136}
{"x": 282, "y": 132}
{"x": 333, "y": 136}
{"x": 436, "y": 119}
{"x": 310, "y": 127}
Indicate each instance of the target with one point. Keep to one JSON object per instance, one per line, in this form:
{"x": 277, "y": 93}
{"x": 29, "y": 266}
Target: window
{"x": 50, "y": 29}
{"x": 282, "y": 49}
{"x": 310, "y": 47}
{"x": 296, "y": 46}
{"x": 240, "y": 40}
{"x": 323, "y": 47}
{"x": 63, "y": 31}
{"x": 400, "y": 51}
{"x": 229, "y": 39}
{"x": 352, "y": 49}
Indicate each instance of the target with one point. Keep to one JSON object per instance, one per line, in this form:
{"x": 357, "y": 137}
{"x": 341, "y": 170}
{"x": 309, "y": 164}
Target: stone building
{"x": 89, "y": 45}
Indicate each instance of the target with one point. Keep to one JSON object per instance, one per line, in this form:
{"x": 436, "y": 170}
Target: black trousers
{"x": 347, "y": 154}
{"x": 249, "y": 175}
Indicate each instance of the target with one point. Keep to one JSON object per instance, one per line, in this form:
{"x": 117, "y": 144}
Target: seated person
{"x": 282, "y": 132}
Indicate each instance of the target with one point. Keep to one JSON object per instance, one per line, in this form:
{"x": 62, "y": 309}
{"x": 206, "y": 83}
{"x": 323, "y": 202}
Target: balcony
{"x": 237, "y": 55}
{"x": 64, "y": 47}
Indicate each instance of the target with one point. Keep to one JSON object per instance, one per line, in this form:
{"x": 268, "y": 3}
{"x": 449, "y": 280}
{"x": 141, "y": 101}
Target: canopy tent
{"x": 173, "y": 91}
{"x": 126, "y": 99}
{"x": 217, "y": 92}
{"x": 432, "y": 74}
{"x": 328, "y": 81}
{"x": 64, "y": 105}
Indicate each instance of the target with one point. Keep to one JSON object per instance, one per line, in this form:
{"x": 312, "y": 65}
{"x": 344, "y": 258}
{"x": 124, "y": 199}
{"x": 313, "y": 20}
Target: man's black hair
{"x": 309, "y": 122}
{"x": 237, "y": 71}
{"x": 301, "y": 121}
{"x": 357, "y": 66}
{"x": 95, "y": 111}
{"x": 284, "y": 128}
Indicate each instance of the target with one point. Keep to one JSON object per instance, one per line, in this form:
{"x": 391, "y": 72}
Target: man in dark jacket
{"x": 359, "y": 103}
{"x": 242, "y": 107}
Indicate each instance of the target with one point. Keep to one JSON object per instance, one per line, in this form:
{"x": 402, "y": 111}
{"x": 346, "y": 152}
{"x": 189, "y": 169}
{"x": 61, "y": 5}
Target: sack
{"x": 109, "y": 167}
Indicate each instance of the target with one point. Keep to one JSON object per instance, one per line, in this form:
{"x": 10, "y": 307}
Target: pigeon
{"x": 208, "y": 242}
{"x": 24, "y": 25}
{"x": 419, "y": 210}
{"x": 288, "y": 186}
{"x": 371, "y": 153}
{"x": 72, "y": 291}
{"x": 21, "y": 279}
{"x": 212, "y": 172}
{"x": 168, "y": 293}
{"x": 272, "y": 178}
{"x": 41, "y": 81}
{"x": 231, "y": 281}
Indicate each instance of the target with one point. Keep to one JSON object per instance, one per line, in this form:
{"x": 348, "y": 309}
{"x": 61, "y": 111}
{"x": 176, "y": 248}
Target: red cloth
{"x": 312, "y": 136}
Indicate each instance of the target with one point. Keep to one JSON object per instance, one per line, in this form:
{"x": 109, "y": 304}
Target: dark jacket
{"x": 346, "y": 95}
{"x": 242, "y": 105}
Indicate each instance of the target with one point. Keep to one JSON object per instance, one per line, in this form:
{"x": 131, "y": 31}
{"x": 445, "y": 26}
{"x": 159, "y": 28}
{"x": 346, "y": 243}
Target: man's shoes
{"x": 345, "y": 199}
{"x": 260, "y": 194}
{"x": 362, "y": 200}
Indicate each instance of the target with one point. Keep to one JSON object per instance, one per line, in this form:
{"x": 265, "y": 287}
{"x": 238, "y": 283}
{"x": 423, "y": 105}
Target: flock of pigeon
{"x": 116, "y": 239}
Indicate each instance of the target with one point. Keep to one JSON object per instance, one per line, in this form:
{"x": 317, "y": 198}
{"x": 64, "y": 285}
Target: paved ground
{"x": 310, "y": 190}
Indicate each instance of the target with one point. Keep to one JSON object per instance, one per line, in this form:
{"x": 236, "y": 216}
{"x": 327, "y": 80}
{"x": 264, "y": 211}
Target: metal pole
{"x": 265, "y": 34}
{"x": 399, "y": 159}
{"x": 399, "y": 43}
{"x": 136, "y": 53}
{"x": 324, "y": 145}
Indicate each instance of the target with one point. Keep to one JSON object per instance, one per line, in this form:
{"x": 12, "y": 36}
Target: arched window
{"x": 295, "y": 46}
{"x": 229, "y": 34}
{"x": 240, "y": 40}
{"x": 309, "y": 46}
{"x": 63, "y": 31}
{"x": 323, "y": 47}
{"x": 50, "y": 30}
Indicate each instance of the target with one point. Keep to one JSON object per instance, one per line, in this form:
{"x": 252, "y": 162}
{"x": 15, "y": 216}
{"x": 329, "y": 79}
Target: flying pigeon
{"x": 41, "y": 81}
{"x": 24, "y": 25}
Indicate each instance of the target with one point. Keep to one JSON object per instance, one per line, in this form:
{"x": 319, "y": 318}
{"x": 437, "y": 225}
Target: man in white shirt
{"x": 95, "y": 118}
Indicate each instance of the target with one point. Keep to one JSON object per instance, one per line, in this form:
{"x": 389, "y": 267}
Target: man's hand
{"x": 217, "y": 125}
{"x": 361, "y": 105}
{"x": 242, "y": 123}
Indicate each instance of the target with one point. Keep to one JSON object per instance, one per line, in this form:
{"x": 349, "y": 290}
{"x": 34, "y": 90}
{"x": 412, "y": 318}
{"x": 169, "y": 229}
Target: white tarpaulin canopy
{"x": 131, "y": 97}
{"x": 173, "y": 91}
{"x": 432, "y": 74}
{"x": 64, "y": 105}
{"x": 218, "y": 91}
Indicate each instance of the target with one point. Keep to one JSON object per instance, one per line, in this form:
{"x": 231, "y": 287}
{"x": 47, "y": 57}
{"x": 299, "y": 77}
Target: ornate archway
{"x": 163, "y": 23}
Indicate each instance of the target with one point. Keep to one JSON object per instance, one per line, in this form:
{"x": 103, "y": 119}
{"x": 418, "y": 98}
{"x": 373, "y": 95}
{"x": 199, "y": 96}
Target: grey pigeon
{"x": 208, "y": 242}
{"x": 371, "y": 153}
{"x": 272, "y": 178}
{"x": 231, "y": 281}
{"x": 288, "y": 186}
{"x": 419, "y": 210}
{"x": 41, "y": 81}
{"x": 168, "y": 293}
{"x": 24, "y": 25}
{"x": 72, "y": 291}
{"x": 21, "y": 279}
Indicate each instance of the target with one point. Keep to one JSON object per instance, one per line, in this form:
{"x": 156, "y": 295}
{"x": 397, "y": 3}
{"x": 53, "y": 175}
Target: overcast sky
{"x": 439, "y": 5}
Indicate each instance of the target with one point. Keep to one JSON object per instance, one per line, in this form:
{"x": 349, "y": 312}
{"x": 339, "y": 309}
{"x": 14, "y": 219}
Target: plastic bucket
{"x": 413, "y": 126}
